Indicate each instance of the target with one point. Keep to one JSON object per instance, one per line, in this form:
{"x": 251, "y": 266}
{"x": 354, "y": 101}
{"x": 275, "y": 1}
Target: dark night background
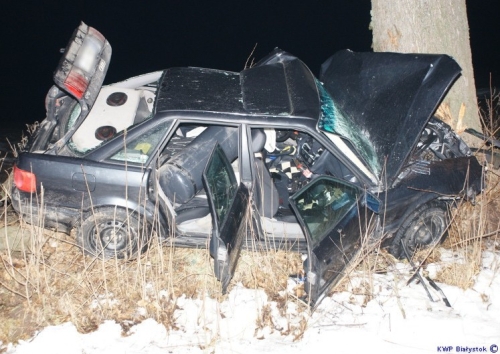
{"x": 152, "y": 35}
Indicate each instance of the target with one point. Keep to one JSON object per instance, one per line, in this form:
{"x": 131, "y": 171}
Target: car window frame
{"x": 111, "y": 147}
{"x": 151, "y": 152}
{"x": 314, "y": 265}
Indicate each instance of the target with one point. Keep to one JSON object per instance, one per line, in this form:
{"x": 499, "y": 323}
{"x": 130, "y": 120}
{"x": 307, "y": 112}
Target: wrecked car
{"x": 269, "y": 156}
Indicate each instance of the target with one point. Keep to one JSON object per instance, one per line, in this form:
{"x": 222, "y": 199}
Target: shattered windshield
{"x": 335, "y": 122}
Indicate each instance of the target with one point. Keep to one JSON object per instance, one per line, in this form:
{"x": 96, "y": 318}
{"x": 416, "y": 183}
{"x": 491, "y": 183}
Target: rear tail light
{"x": 25, "y": 181}
{"x": 84, "y": 59}
{"x": 76, "y": 83}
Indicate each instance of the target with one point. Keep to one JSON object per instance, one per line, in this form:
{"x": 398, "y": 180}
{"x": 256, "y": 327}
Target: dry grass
{"x": 473, "y": 226}
{"x": 268, "y": 270}
{"x": 57, "y": 283}
{"x": 489, "y": 112}
{"x": 50, "y": 281}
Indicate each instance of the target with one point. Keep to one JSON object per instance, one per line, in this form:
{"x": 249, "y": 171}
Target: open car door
{"x": 228, "y": 203}
{"x": 338, "y": 220}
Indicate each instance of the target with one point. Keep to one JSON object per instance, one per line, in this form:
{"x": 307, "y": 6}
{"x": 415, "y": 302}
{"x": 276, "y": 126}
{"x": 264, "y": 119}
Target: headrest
{"x": 258, "y": 140}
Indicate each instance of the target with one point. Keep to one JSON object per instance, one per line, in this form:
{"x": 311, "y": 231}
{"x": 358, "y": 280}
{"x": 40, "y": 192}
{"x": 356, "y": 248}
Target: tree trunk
{"x": 432, "y": 26}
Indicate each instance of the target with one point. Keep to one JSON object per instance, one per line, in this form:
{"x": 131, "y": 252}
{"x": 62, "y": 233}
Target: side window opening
{"x": 140, "y": 149}
{"x": 181, "y": 167}
{"x": 292, "y": 159}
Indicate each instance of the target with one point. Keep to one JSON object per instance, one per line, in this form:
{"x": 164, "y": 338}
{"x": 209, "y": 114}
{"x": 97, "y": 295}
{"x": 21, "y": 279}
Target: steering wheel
{"x": 282, "y": 135}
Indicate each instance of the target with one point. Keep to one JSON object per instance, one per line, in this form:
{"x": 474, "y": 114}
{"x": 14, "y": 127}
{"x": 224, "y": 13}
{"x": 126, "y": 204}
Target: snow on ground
{"x": 396, "y": 319}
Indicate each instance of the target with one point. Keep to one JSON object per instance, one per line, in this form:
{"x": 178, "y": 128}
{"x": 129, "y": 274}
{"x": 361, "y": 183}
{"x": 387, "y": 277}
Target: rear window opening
{"x": 115, "y": 110}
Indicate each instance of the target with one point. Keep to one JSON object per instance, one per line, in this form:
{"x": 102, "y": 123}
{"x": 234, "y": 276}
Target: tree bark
{"x": 432, "y": 26}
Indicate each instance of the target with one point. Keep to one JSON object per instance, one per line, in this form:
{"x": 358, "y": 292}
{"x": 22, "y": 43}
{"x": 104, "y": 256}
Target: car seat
{"x": 265, "y": 192}
{"x": 181, "y": 176}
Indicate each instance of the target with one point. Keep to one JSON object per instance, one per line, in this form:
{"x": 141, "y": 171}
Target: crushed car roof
{"x": 278, "y": 85}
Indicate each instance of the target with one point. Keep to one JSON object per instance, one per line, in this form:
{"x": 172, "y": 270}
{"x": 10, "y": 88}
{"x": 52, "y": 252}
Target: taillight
{"x": 76, "y": 83}
{"x": 87, "y": 53}
{"x": 25, "y": 181}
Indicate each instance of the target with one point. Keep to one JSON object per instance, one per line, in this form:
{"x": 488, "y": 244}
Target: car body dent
{"x": 449, "y": 177}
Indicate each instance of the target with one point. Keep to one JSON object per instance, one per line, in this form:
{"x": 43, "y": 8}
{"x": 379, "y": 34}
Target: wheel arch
{"x": 152, "y": 213}
{"x": 410, "y": 208}
{"x": 412, "y": 221}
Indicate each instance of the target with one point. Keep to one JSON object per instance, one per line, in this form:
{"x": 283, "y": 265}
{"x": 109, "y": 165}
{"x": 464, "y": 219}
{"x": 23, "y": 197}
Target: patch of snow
{"x": 376, "y": 313}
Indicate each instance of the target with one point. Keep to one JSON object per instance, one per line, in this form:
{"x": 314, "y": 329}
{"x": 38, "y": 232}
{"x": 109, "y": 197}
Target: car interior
{"x": 280, "y": 159}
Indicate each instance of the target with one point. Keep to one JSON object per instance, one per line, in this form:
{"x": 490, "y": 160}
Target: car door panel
{"x": 337, "y": 218}
{"x": 228, "y": 203}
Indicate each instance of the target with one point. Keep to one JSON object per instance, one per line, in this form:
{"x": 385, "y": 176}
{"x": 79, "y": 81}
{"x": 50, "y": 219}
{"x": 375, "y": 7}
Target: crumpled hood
{"x": 389, "y": 96}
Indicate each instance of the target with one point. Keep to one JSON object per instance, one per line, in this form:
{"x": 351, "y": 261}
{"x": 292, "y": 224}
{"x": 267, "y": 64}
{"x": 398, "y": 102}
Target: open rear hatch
{"x": 80, "y": 74}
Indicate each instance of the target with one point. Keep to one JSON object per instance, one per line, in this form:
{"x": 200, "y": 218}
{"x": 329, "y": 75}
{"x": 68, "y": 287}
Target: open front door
{"x": 228, "y": 202}
{"x": 337, "y": 219}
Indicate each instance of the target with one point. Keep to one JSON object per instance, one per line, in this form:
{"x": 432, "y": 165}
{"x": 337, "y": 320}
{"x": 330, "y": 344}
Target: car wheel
{"x": 426, "y": 226}
{"x": 113, "y": 233}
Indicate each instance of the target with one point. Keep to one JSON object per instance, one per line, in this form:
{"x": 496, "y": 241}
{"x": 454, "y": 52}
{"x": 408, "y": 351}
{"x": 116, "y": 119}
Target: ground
{"x": 391, "y": 318}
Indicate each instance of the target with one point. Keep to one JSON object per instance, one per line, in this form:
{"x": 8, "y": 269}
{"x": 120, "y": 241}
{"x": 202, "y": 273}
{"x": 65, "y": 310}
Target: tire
{"x": 113, "y": 233}
{"x": 426, "y": 226}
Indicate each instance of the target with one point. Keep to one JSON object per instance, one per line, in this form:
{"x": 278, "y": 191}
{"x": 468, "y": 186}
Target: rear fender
{"x": 155, "y": 218}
